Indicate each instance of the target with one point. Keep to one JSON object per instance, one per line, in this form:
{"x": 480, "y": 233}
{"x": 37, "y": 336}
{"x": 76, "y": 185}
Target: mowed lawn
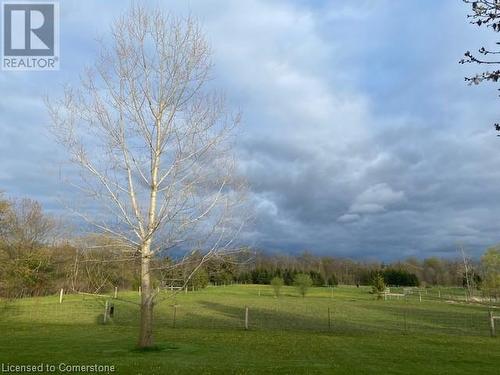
{"x": 287, "y": 335}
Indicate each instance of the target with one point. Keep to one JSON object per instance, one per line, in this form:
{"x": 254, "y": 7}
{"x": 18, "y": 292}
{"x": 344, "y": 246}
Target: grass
{"x": 287, "y": 335}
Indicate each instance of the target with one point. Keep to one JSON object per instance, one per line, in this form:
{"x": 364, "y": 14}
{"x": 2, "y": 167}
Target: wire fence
{"x": 406, "y": 311}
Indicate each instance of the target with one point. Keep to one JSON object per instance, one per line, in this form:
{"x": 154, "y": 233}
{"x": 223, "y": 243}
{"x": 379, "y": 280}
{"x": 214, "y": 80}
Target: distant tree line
{"x": 264, "y": 276}
{"x": 37, "y": 258}
{"x": 331, "y": 270}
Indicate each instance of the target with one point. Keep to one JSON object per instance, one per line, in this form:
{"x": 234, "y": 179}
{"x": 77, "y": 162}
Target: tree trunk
{"x": 147, "y": 304}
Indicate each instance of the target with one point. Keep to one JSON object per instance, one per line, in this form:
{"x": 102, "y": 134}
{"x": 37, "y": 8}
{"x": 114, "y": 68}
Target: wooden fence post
{"x": 61, "y": 295}
{"x": 106, "y": 307}
{"x": 329, "y": 319}
{"x": 420, "y": 296}
{"x": 405, "y": 311}
{"x": 116, "y": 292}
{"x": 246, "y": 317}
{"x": 175, "y": 314}
{"x": 492, "y": 325}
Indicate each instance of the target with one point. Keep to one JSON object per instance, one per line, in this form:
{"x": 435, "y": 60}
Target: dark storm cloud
{"x": 360, "y": 137}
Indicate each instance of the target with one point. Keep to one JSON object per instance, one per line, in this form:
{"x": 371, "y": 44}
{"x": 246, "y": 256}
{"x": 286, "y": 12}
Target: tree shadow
{"x": 221, "y": 316}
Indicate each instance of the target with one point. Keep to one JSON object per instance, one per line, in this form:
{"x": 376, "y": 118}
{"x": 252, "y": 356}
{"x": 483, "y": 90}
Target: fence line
{"x": 411, "y": 312}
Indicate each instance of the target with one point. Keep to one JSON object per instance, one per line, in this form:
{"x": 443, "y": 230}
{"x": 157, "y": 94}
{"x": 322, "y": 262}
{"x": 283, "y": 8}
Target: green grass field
{"x": 287, "y": 335}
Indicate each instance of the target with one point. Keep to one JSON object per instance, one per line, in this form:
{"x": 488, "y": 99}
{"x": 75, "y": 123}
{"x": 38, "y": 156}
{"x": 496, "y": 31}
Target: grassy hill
{"x": 287, "y": 335}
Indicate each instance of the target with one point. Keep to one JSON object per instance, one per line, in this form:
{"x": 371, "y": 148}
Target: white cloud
{"x": 348, "y": 218}
{"x": 376, "y": 199}
{"x": 367, "y": 208}
{"x": 381, "y": 194}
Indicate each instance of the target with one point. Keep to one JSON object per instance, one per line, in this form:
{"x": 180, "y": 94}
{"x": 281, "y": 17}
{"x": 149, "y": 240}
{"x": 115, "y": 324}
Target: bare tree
{"x": 153, "y": 144}
{"x": 468, "y": 272}
{"x": 26, "y": 225}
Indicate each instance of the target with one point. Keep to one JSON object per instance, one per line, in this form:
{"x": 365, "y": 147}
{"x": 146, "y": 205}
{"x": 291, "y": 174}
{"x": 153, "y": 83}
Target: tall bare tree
{"x": 153, "y": 143}
{"x": 468, "y": 272}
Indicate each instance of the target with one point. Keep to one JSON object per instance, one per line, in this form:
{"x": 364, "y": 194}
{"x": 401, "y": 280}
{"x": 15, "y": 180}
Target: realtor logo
{"x": 30, "y": 35}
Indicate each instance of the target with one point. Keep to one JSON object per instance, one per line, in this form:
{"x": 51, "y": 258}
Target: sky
{"x": 360, "y": 137}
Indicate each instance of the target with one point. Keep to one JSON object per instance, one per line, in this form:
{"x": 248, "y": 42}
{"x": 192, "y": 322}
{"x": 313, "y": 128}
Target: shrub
{"x": 277, "y": 283}
{"x": 378, "y": 285}
{"x": 199, "y": 279}
{"x": 303, "y": 282}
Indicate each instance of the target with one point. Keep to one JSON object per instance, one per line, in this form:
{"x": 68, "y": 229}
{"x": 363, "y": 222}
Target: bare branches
{"x": 25, "y": 225}
{"x": 153, "y": 145}
{"x": 468, "y": 272}
{"x": 154, "y": 130}
{"x": 484, "y": 13}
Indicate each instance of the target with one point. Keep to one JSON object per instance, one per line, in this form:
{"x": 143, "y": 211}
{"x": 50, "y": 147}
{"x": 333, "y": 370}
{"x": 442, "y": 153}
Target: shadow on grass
{"x": 156, "y": 348}
{"x": 436, "y": 320}
{"x": 301, "y": 315}
{"x": 8, "y": 309}
{"x": 232, "y": 317}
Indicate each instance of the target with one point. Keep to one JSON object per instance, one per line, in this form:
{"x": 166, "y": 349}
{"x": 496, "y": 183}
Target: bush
{"x": 378, "y": 285}
{"x": 277, "y": 283}
{"x": 199, "y": 279}
{"x": 31, "y": 276}
{"x": 303, "y": 282}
